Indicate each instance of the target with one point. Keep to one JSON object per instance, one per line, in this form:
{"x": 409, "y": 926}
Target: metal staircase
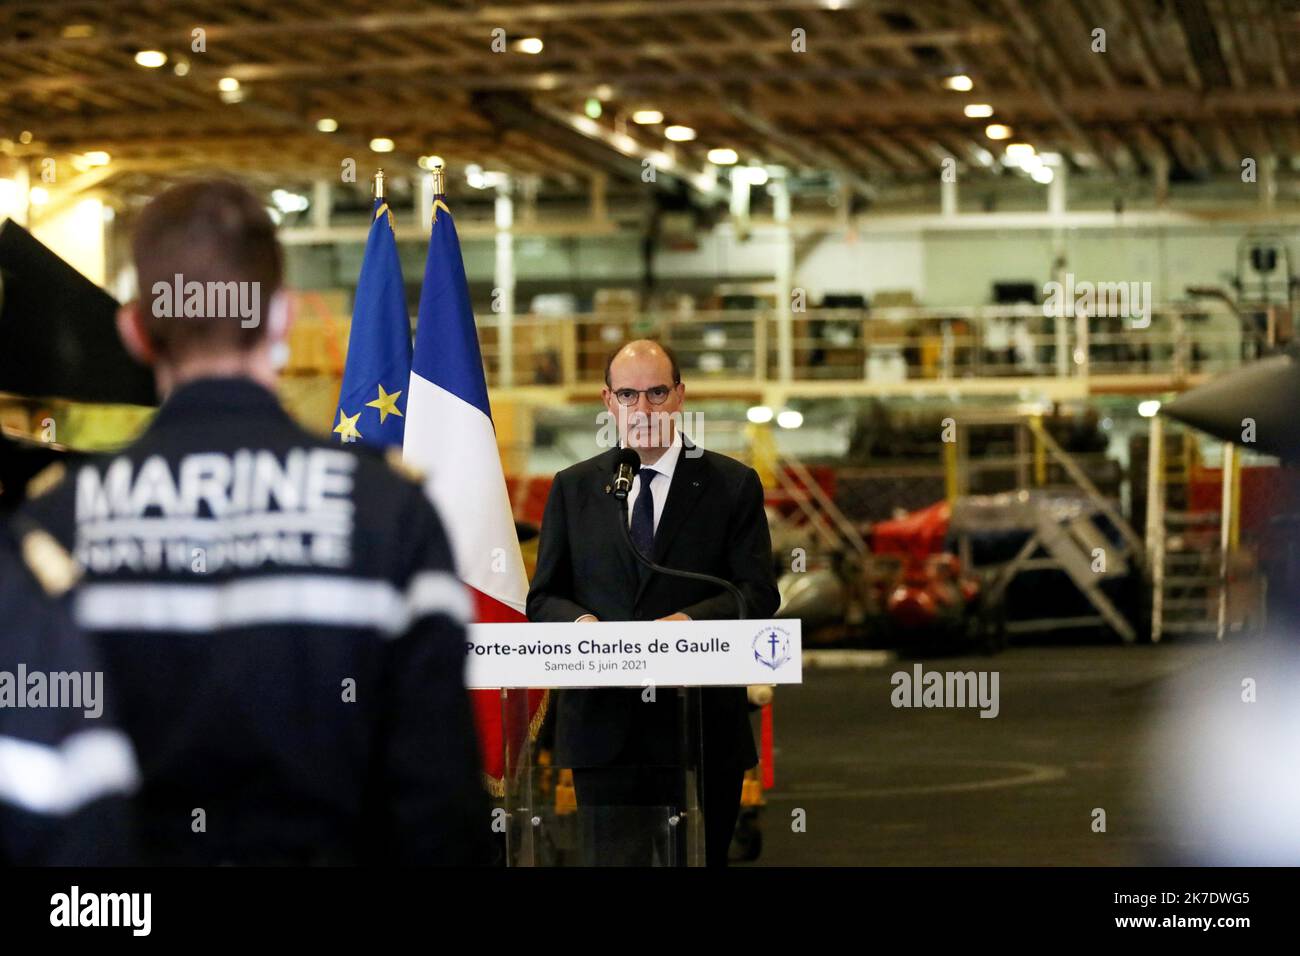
{"x": 1185, "y": 545}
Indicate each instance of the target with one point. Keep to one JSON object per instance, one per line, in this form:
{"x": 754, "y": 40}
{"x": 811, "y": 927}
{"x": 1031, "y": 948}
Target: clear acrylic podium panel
{"x": 547, "y": 824}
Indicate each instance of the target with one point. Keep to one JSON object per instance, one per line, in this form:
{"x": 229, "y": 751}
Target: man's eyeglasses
{"x": 658, "y": 394}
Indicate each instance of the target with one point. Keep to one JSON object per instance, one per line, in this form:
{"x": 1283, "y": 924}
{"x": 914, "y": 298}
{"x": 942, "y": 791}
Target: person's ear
{"x": 131, "y": 330}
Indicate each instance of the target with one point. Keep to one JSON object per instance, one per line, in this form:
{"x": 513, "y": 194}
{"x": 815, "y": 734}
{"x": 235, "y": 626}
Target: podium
{"x": 644, "y": 805}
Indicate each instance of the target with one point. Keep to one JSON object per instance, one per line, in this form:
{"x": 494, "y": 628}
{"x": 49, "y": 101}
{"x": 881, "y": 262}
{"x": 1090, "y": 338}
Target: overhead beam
{"x": 820, "y": 158}
{"x": 618, "y": 152}
{"x": 1039, "y": 82}
{"x": 468, "y": 18}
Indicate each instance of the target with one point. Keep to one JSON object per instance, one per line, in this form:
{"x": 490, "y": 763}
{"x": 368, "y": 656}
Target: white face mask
{"x": 278, "y": 329}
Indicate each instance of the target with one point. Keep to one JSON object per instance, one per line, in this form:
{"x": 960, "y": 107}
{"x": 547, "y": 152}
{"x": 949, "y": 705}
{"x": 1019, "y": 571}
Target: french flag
{"x": 450, "y": 437}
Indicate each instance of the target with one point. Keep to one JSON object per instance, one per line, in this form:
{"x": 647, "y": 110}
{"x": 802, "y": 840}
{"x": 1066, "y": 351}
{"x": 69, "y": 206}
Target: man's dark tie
{"x": 643, "y": 514}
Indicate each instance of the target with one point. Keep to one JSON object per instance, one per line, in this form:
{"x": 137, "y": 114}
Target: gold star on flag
{"x": 347, "y": 427}
{"x": 386, "y": 403}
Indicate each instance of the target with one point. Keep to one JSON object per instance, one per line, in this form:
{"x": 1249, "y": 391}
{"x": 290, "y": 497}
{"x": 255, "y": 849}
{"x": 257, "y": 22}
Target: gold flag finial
{"x": 379, "y": 184}
{"x": 439, "y": 175}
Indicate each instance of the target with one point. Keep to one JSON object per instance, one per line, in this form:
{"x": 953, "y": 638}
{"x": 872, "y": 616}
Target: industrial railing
{"x": 882, "y": 345}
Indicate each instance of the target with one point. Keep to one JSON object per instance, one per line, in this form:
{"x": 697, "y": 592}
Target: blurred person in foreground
{"x": 280, "y": 616}
{"x": 1222, "y": 757}
{"x": 65, "y": 770}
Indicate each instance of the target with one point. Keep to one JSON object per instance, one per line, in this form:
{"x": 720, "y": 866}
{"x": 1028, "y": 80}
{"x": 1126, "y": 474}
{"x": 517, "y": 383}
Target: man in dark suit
{"x": 689, "y": 509}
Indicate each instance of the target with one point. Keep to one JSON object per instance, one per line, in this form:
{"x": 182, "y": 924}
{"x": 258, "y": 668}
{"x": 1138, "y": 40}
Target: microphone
{"x": 625, "y": 469}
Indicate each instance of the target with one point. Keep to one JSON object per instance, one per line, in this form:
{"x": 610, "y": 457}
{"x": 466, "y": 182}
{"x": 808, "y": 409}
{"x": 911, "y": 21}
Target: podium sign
{"x": 634, "y": 654}
{"x": 563, "y": 815}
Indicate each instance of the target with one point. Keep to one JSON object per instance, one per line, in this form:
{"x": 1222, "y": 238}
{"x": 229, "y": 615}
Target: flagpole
{"x": 448, "y": 401}
{"x": 378, "y": 363}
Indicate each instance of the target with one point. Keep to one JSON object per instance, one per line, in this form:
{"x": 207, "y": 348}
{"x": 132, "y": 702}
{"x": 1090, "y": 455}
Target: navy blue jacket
{"x": 285, "y": 633}
{"x": 65, "y": 769}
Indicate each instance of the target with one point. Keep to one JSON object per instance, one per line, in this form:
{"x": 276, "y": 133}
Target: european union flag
{"x": 372, "y": 401}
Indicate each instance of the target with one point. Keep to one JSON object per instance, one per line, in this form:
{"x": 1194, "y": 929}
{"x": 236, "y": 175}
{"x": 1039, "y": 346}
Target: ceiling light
{"x": 1019, "y": 152}
{"x": 1042, "y": 174}
{"x": 1150, "y": 408}
{"x": 227, "y": 84}
{"x": 723, "y": 156}
{"x": 997, "y": 131}
{"x": 181, "y": 67}
{"x": 287, "y": 201}
{"x": 327, "y": 124}
{"x": 759, "y": 414}
{"x": 961, "y": 83}
{"x": 38, "y": 196}
{"x": 978, "y": 110}
{"x": 381, "y": 144}
{"x": 152, "y": 59}
{"x": 647, "y": 117}
{"x": 789, "y": 419}
{"x": 96, "y": 157}
{"x": 529, "y": 45}
{"x": 754, "y": 175}
{"x": 431, "y": 162}
{"x": 680, "y": 134}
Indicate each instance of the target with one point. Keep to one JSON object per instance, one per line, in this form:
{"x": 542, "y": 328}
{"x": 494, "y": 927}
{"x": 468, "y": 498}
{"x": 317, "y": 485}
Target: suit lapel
{"x": 688, "y": 484}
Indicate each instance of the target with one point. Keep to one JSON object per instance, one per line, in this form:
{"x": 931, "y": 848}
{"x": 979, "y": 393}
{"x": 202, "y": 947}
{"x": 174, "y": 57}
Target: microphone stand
{"x": 742, "y": 608}
{"x": 689, "y": 697}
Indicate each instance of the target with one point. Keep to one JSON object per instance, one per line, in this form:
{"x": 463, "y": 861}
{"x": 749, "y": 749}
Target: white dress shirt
{"x": 665, "y": 467}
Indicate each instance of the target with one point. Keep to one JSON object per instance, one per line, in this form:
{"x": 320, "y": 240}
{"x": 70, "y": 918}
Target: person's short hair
{"x": 215, "y": 232}
{"x": 667, "y": 350}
